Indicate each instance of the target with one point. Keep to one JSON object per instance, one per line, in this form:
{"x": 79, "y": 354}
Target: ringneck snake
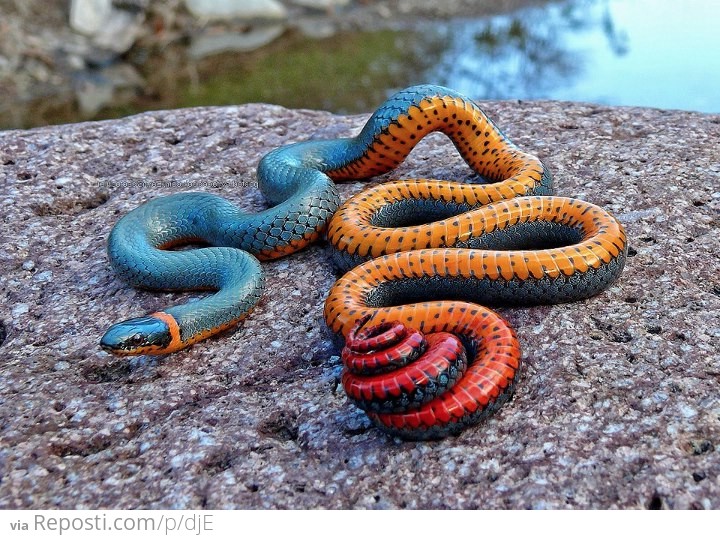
{"x": 422, "y": 357}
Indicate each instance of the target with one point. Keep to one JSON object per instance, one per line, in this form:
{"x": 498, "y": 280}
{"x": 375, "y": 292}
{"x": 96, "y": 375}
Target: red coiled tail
{"x": 393, "y": 372}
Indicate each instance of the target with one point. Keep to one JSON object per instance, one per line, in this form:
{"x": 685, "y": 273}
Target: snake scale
{"x": 422, "y": 357}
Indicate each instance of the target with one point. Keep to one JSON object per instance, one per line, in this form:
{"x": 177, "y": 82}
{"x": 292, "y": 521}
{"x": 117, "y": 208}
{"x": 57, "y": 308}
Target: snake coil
{"x": 420, "y": 256}
{"x": 424, "y": 386}
{"x": 416, "y": 385}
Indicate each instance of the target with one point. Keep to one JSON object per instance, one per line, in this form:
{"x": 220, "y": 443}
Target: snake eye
{"x": 137, "y": 338}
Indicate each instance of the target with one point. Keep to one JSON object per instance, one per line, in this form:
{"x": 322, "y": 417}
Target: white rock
{"x": 321, "y": 4}
{"x": 93, "y": 95}
{"x": 89, "y": 16}
{"x": 123, "y": 75}
{"x": 205, "y": 45}
{"x": 120, "y": 31}
{"x": 110, "y": 28}
{"x": 242, "y": 9}
{"x": 4, "y": 64}
{"x": 316, "y": 27}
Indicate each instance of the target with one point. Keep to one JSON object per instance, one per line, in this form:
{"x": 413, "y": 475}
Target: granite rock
{"x": 617, "y": 402}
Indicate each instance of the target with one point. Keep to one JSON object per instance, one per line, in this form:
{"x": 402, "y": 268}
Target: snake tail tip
{"x": 397, "y": 371}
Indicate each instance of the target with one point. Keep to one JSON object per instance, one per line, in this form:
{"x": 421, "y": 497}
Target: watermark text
{"x": 143, "y": 523}
{"x": 175, "y": 184}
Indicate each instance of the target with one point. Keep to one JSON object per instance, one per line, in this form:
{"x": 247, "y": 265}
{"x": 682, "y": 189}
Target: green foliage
{"x": 346, "y": 73}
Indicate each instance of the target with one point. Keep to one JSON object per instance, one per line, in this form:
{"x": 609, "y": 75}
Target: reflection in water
{"x": 618, "y": 39}
{"x": 525, "y": 55}
{"x": 504, "y": 57}
{"x": 658, "y": 53}
{"x": 345, "y": 73}
{"x": 618, "y": 52}
{"x": 521, "y": 55}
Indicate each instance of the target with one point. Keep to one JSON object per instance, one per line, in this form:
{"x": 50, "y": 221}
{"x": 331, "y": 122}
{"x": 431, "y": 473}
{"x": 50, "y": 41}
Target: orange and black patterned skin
{"x": 424, "y": 254}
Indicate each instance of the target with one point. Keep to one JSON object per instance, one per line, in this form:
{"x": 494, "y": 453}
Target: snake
{"x": 422, "y": 356}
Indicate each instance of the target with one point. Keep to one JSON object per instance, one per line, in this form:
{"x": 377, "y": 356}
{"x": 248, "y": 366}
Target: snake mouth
{"x": 143, "y": 335}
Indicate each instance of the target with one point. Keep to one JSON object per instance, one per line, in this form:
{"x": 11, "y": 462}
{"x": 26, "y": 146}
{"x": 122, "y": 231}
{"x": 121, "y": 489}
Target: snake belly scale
{"x": 421, "y": 254}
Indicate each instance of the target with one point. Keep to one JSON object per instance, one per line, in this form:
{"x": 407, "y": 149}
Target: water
{"x": 657, "y": 53}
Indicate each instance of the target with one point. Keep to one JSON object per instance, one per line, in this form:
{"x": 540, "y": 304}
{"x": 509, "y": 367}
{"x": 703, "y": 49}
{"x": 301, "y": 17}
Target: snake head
{"x": 144, "y": 335}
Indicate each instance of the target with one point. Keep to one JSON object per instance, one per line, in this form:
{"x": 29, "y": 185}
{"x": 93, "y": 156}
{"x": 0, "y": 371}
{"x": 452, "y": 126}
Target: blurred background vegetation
{"x": 72, "y": 60}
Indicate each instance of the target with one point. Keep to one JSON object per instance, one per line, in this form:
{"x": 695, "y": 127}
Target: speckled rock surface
{"x": 617, "y": 406}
